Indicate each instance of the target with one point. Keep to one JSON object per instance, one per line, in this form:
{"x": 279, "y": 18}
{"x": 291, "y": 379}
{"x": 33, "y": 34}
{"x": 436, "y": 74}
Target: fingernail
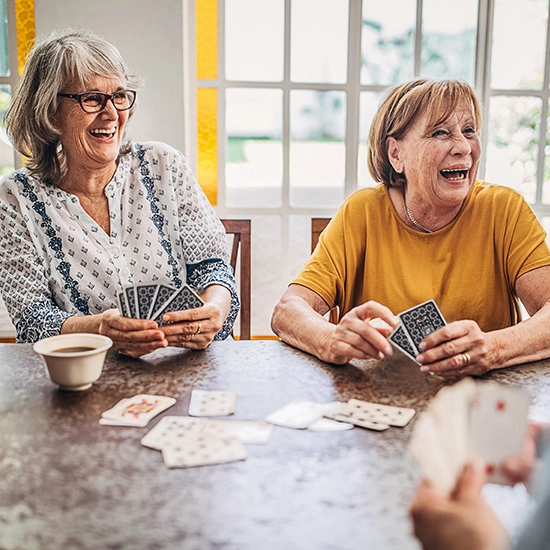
{"x": 424, "y": 369}
{"x": 389, "y": 350}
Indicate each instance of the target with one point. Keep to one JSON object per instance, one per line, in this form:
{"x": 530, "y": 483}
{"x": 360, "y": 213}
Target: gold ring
{"x": 198, "y": 328}
{"x": 466, "y": 359}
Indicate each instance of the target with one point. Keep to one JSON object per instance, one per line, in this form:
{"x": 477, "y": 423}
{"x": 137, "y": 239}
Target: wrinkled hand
{"x": 193, "y": 328}
{"x": 133, "y": 337}
{"x": 357, "y": 336}
{"x": 461, "y": 522}
{"x": 458, "y": 349}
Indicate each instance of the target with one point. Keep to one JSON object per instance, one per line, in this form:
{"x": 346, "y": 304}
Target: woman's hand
{"x": 133, "y": 337}
{"x": 193, "y": 328}
{"x": 196, "y": 328}
{"x": 458, "y": 349}
{"x": 361, "y": 334}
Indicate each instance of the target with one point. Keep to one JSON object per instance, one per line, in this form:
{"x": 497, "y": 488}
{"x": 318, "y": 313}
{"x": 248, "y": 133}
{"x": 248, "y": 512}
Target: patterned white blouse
{"x": 55, "y": 261}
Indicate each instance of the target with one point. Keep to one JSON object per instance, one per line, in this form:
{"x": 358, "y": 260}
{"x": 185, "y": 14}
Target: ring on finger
{"x": 466, "y": 359}
{"x": 198, "y": 331}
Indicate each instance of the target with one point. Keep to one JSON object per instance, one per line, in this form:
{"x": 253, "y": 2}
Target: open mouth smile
{"x": 100, "y": 132}
{"x": 454, "y": 175}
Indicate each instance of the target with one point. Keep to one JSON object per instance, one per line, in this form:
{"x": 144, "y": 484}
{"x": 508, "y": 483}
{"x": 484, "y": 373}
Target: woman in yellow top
{"x": 431, "y": 231}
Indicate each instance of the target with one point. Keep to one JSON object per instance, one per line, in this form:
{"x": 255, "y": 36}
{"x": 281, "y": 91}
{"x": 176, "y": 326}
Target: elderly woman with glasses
{"x": 91, "y": 214}
{"x": 430, "y": 230}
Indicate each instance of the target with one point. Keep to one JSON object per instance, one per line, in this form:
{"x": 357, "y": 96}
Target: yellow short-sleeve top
{"x": 469, "y": 267}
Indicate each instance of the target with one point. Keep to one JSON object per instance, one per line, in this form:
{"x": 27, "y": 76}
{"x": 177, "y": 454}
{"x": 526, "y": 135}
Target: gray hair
{"x": 57, "y": 59}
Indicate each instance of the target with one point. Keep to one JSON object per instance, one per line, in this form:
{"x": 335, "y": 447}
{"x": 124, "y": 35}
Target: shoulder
{"x": 154, "y": 149}
{"x": 490, "y": 192}
{"x": 364, "y": 200}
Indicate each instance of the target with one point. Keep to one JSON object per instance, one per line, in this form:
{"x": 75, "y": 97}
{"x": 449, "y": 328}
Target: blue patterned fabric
{"x": 56, "y": 261}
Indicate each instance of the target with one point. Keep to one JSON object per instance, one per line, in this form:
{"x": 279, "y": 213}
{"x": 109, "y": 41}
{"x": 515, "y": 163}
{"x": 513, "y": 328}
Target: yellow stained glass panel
{"x": 206, "y": 32}
{"x": 25, "y": 29}
{"x": 207, "y": 142}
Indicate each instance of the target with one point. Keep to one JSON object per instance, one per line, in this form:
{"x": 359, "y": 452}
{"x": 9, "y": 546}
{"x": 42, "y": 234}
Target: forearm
{"x": 297, "y": 324}
{"x": 213, "y": 274}
{"x": 525, "y": 342}
{"x": 81, "y": 323}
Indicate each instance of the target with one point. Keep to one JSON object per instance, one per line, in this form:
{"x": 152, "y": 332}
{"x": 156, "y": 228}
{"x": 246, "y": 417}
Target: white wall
{"x": 148, "y": 34}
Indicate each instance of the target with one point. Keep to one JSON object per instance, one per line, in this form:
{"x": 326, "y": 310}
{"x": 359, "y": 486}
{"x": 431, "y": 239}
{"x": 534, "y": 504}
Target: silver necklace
{"x": 412, "y": 218}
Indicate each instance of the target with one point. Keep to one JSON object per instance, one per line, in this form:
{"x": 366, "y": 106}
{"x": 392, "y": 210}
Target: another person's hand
{"x": 463, "y": 521}
{"x": 458, "y": 349}
{"x": 355, "y": 337}
{"x": 133, "y": 337}
{"x": 193, "y": 328}
{"x": 519, "y": 468}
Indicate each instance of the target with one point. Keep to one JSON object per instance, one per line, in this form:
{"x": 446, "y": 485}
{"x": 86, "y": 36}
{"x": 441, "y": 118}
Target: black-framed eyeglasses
{"x": 93, "y": 102}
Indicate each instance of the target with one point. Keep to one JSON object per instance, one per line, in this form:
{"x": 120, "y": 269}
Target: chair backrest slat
{"x": 240, "y": 229}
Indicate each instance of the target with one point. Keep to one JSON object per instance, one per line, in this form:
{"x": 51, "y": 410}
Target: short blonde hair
{"x": 399, "y": 110}
{"x": 56, "y": 60}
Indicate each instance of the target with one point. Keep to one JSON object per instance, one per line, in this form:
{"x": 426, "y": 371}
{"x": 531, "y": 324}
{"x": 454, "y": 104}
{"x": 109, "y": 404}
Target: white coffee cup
{"x": 74, "y": 361}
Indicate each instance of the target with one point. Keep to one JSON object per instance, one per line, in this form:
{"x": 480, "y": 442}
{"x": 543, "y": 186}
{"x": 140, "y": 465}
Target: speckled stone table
{"x": 68, "y": 483}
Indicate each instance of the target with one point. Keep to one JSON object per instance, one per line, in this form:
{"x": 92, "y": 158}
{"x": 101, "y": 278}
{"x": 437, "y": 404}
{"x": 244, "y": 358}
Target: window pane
{"x": 519, "y": 42}
{"x": 6, "y": 149}
{"x": 449, "y": 51}
{"x": 4, "y": 54}
{"x": 512, "y": 149}
{"x": 387, "y": 43}
{"x": 319, "y": 41}
{"x": 317, "y": 148}
{"x": 254, "y": 40}
{"x": 254, "y": 155}
{"x": 369, "y": 102}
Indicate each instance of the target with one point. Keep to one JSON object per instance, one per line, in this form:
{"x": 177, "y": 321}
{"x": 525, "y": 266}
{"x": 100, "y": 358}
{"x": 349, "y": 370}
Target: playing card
{"x": 373, "y": 415}
{"x": 211, "y": 403}
{"x": 164, "y": 293}
{"x": 402, "y": 342}
{"x": 300, "y": 414}
{"x": 254, "y": 433}
{"x": 130, "y": 292}
{"x": 468, "y": 420}
{"x": 498, "y": 425}
{"x": 185, "y": 298}
{"x": 169, "y": 429}
{"x": 420, "y": 321}
{"x": 145, "y": 295}
{"x": 197, "y": 449}
{"x": 137, "y": 410}
{"x": 122, "y": 304}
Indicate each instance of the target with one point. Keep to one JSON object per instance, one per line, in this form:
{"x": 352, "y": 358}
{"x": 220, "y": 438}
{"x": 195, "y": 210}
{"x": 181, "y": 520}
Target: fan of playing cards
{"x": 416, "y": 323}
{"x": 483, "y": 420}
{"x": 152, "y": 301}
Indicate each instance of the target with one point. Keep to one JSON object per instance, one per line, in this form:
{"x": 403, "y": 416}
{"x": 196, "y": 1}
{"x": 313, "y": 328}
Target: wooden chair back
{"x": 317, "y": 227}
{"x": 240, "y": 229}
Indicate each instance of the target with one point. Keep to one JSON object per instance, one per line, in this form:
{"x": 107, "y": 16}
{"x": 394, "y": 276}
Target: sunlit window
{"x": 300, "y": 81}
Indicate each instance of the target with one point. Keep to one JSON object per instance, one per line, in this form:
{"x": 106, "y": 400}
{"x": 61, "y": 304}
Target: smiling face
{"x": 91, "y": 141}
{"x": 440, "y": 163}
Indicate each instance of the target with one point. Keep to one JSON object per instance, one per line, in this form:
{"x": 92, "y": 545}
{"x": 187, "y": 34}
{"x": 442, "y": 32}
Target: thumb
{"x": 471, "y": 482}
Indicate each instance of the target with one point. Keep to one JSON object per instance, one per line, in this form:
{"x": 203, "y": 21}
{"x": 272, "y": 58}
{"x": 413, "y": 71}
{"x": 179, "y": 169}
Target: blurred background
{"x": 272, "y": 100}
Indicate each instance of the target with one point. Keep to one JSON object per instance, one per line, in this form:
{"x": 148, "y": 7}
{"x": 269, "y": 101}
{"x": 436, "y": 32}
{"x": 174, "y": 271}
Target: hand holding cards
{"x": 483, "y": 420}
{"x": 416, "y": 324}
{"x": 152, "y": 301}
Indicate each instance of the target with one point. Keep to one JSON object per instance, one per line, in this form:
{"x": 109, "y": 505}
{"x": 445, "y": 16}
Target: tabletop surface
{"x": 68, "y": 482}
